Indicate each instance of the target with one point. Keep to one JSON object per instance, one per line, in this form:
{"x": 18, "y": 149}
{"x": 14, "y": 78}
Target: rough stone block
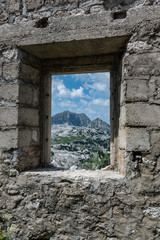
{"x": 137, "y": 139}
{"x": 137, "y": 90}
{"x": 29, "y": 158}
{"x": 141, "y": 66}
{"x": 155, "y": 143}
{"x": 31, "y": 5}
{"x": 10, "y": 55}
{"x": 122, "y": 119}
{"x": 11, "y": 70}
{"x": 154, "y": 89}
{"x": 29, "y": 74}
{"x": 120, "y": 161}
{"x": 97, "y": 9}
{"x": 8, "y": 116}
{"x": 28, "y": 137}
{"x": 13, "y": 6}
{"x": 76, "y": 12}
{"x": 25, "y": 95}
{"x": 158, "y": 165}
{"x": 36, "y": 96}
{"x": 29, "y": 95}
{"x": 60, "y": 14}
{"x": 86, "y": 5}
{"x": 9, "y": 139}
{"x": 28, "y": 117}
{"x": 72, "y": 1}
{"x": 142, "y": 114}
{"x": 30, "y": 151}
{"x": 25, "y": 163}
{"x": 9, "y": 92}
{"x": 123, "y": 91}
{"x": 35, "y": 136}
{"x": 122, "y": 138}
{"x": 24, "y": 137}
{"x": 138, "y": 46}
{"x": 67, "y": 4}
{"x": 1, "y": 62}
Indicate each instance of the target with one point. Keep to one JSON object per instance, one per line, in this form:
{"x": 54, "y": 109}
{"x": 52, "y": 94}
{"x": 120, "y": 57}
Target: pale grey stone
{"x": 142, "y": 114}
{"x": 137, "y": 139}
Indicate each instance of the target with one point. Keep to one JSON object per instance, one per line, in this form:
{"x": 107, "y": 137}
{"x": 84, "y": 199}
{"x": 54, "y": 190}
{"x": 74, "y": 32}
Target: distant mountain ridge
{"x": 80, "y": 120}
{"x": 99, "y": 123}
{"x": 71, "y": 118}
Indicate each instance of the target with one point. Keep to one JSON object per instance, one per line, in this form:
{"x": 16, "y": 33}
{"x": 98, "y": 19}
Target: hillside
{"x": 74, "y": 147}
{"x": 79, "y": 143}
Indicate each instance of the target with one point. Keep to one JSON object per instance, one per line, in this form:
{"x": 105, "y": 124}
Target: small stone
{"x": 10, "y": 54}
{"x": 60, "y": 14}
{"x": 76, "y": 12}
{"x": 74, "y": 167}
{"x": 31, "y": 5}
{"x": 34, "y": 135}
{"x": 13, "y": 173}
{"x": 97, "y": 9}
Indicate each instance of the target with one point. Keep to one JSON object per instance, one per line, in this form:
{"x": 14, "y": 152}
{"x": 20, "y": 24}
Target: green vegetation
{"x": 7, "y": 231}
{"x": 64, "y": 140}
{"x": 98, "y": 160}
{"x": 3, "y": 229}
{"x": 2, "y": 235}
{"x": 80, "y": 147}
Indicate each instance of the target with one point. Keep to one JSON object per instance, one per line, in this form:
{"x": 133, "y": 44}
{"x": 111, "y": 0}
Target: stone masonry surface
{"x": 123, "y": 204}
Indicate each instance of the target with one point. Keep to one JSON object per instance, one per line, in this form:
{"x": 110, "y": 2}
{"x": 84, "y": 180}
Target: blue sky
{"x": 82, "y": 93}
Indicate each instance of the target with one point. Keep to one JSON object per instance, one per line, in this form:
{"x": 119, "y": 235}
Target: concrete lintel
{"x": 79, "y": 48}
{"x": 100, "y": 63}
{"x": 91, "y": 26}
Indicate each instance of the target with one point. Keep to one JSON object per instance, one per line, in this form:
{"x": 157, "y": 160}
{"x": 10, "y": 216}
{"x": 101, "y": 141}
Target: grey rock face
{"x": 99, "y": 124}
{"x": 74, "y": 146}
{"x": 70, "y": 118}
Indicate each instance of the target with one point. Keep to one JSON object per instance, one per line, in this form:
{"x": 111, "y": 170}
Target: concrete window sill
{"x": 74, "y": 175}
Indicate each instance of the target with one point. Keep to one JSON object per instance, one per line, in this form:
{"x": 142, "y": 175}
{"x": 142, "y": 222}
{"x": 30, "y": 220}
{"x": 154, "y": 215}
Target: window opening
{"x": 80, "y": 121}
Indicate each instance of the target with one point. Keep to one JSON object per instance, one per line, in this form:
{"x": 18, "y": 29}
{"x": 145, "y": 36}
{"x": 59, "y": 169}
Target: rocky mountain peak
{"x": 79, "y": 120}
{"x": 99, "y": 123}
{"x": 71, "y": 118}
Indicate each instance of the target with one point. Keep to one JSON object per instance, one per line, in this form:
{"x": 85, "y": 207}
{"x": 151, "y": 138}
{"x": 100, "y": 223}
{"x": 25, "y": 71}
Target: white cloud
{"x": 92, "y": 77}
{"x": 68, "y": 104}
{"x": 60, "y": 90}
{"x": 84, "y": 102}
{"x": 99, "y": 86}
{"x": 90, "y": 111}
{"x": 97, "y": 83}
{"x": 100, "y": 102}
{"x": 77, "y": 93}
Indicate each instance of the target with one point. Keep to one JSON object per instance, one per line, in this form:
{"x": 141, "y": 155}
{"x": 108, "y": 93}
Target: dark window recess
{"x": 137, "y": 157}
{"x": 119, "y": 15}
{"x": 42, "y": 23}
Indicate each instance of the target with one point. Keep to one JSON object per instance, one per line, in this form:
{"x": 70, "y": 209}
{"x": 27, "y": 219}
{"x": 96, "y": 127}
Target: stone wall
{"x": 19, "y": 88}
{"x": 42, "y": 204}
{"x": 22, "y": 10}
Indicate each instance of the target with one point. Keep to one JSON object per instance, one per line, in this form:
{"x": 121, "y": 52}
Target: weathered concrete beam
{"x": 92, "y": 26}
{"x": 79, "y": 64}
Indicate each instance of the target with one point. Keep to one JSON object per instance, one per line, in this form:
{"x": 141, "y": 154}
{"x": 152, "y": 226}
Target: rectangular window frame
{"x": 75, "y": 66}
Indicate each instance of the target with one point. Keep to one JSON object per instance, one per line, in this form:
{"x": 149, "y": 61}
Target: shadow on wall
{"x": 44, "y": 237}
